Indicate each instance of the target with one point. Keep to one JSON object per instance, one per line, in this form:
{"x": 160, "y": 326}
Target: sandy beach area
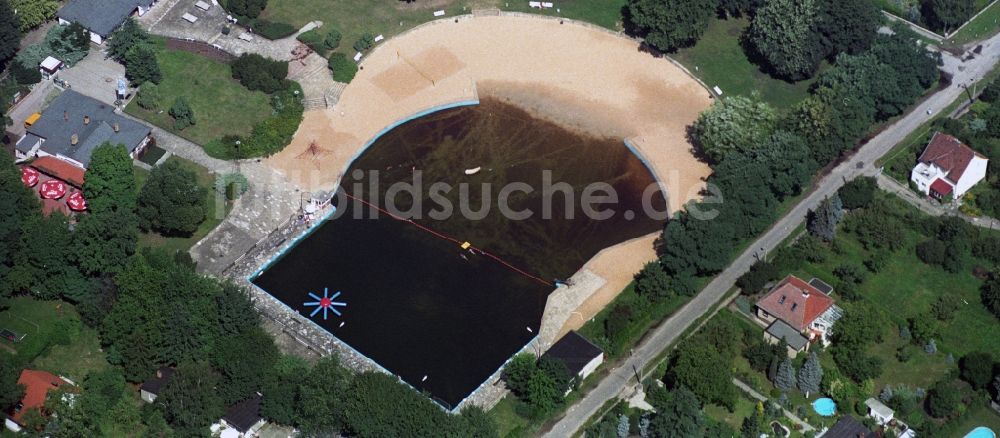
{"x": 582, "y": 78}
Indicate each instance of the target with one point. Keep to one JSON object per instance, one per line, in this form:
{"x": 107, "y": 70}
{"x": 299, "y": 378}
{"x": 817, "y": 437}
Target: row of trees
{"x": 760, "y": 158}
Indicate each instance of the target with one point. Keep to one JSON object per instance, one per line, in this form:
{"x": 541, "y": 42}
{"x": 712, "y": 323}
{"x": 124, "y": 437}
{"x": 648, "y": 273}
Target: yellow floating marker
{"x": 466, "y": 245}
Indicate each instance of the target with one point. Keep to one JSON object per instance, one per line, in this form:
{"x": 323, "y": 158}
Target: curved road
{"x": 621, "y": 377}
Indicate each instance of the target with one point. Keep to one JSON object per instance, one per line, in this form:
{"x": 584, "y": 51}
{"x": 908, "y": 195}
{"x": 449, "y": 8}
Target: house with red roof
{"x": 799, "y": 312}
{"x": 37, "y": 385}
{"x": 948, "y": 168}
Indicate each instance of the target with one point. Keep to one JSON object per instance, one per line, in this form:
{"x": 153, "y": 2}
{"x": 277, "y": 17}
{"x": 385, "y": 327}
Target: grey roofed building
{"x": 781, "y": 330}
{"x": 100, "y": 16}
{"x": 245, "y": 415}
{"x": 92, "y": 121}
{"x": 848, "y": 427}
{"x": 576, "y": 352}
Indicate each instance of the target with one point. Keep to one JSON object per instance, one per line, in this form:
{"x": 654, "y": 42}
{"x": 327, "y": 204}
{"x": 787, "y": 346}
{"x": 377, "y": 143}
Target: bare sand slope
{"x": 580, "y": 77}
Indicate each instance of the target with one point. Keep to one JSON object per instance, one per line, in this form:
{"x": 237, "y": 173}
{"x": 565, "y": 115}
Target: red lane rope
{"x": 452, "y": 239}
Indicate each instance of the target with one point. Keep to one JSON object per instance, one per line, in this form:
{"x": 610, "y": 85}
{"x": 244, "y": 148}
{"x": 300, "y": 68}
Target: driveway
{"x": 95, "y": 76}
{"x": 37, "y": 100}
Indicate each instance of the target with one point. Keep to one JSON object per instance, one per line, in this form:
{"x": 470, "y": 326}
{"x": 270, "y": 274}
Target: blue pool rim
{"x": 827, "y": 402}
{"x": 981, "y": 432}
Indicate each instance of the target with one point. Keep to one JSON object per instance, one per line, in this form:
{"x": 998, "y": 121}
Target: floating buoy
{"x": 473, "y": 171}
{"x": 424, "y": 379}
{"x": 466, "y": 245}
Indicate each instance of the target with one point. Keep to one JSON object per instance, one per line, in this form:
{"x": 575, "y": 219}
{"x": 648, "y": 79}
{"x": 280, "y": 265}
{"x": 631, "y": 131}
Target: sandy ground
{"x": 580, "y": 77}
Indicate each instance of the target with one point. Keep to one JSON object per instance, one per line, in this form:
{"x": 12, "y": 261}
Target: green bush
{"x": 25, "y": 75}
{"x": 366, "y": 42}
{"x": 149, "y": 97}
{"x": 313, "y": 39}
{"x": 274, "y": 30}
{"x": 232, "y": 185}
{"x": 258, "y": 73}
{"x": 343, "y": 67}
{"x": 332, "y": 40}
{"x": 182, "y": 113}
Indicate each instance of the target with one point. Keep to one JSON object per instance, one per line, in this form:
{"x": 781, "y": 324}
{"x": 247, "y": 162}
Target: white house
{"x": 101, "y": 17}
{"x": 948, "y": 168}
{"x": 879, "y": 412}
{"x": 242, "y": 420}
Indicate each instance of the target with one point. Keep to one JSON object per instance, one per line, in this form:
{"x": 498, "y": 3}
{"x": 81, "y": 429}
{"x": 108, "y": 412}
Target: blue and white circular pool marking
{"x": 325, "y": 303}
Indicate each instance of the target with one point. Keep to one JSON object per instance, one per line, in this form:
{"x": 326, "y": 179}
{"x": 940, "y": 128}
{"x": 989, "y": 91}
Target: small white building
{"x": 879, "y": 412}
{"x": 948, "y": 168}
{"x": 49, "y": 67}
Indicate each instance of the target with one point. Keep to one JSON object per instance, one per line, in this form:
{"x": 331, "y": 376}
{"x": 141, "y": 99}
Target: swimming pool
{"x": 981, "y": 432}
{"x": 825, "y": 407}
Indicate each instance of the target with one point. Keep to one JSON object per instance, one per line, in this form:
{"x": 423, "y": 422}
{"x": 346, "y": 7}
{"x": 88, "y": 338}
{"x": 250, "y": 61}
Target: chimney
{"x": 74, "y": 139}
{"x": 116, "y": 127}
{"x": 805, "y": 293}
{"x": 86, "y": 120}
{"x": 66, "y": 115}
{"x": 159, "y": 373}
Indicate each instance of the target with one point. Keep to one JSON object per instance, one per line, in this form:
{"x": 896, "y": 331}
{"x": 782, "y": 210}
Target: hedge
{"x": 314, "y": 40}
{"x": 343, "y": 67}
{"x": 269, "y": 136}
{"x": 273, "y": 30}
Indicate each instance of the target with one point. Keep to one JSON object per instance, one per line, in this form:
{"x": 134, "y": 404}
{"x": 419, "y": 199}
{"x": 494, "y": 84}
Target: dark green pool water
{"x": 419, "y": 305}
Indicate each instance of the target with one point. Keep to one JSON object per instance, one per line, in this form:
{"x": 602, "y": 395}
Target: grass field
{"x": 390, "y": 17}
{"x": 55, "y": 340}
{"x": 216, "y": 212}
{"x": 744, "y": 407}
{"x": 221, "y": 105}
{"x": 981, "y": 27}
{"x": 719, "y": 60}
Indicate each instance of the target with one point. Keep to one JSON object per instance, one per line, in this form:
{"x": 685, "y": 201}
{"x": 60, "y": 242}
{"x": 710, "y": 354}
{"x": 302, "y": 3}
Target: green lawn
{"x": 217, "y": 211}
{"x": 221, "y": 105}
{"x": 744, "y": 407}
{"x": 978, "y": 415}
{"x": 981, "y": 27}
{"x": 55, "y": 340}
{"x": 719, "y": 60}
{"x": 389, "y": 17}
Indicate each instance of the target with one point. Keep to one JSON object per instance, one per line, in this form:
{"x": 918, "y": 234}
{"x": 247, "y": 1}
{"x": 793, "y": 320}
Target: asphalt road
{"x": 621, "y": 377}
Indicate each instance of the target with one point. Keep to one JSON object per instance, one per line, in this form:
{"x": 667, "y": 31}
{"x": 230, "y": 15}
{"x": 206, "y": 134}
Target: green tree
{"x": 518, "y": 372}
{"x": 141, "y": 66}
{"x": 785, "y": 379}
{"x": 737, "y": 8}
{"x": 811, "y": 375}
{"x": 858, "y": 193}
{"x": 677, "y": 415}
{"x": 41, "y": 267}
{"x": 190, "y": 401}
{"x": 824, "y": 219}
{"x": 130, "y": 35}
{"x": 733, "y": 124}
{"x": 668, "y": 25}
{"x": 989, "y": 293}
{"x": 33, "y": 13}
{"x": 246, "y": 8}
{"x": 760, "y": 273}
{"x": 751, "y": 426}
{"x": 182, "y": 113}
{"x": 11, "y": 392}
{"x": 172, "y": 202}
{"x": 377, "y": 405}
{"x": 75, "y": 37}
{"x": 652, "y": 282}
{"x": 701, "y": 368}
{"x": 977, "y": 369}
{"x": 332, "y": 39}
{"x": 322, "y": 407}
{"x": 473, "y": 422}
{"x": 948, "y": 15}
{"x": 258, "y": 73}
{"x": 342, "y": 67}
{"x": 943, "y": 399}
{"x": 365, "y": 42}
{"x": 110, "y": 182}
{"x": 10, "y": 33}
{"x": 246, "y": 362}
{"x": 784, "y": 34}
{"x": 149, "y": 96}
{"x": 848, "y": 26}
{"x": 25, "y": 75}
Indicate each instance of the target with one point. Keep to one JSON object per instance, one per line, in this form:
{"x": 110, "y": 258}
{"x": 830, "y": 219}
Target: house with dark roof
{"x": 101, "y": 17}
{"x": 579, "y": 355}
{"x": 848, "y": 427}
{"x": 794, "y": 306}
{"x": 74, "y": 125}
{"x": 242, "y": 420}
{"x": 37, "y": 385}
{"x": 151, "y": 388}
{"x": 948, "y": 168}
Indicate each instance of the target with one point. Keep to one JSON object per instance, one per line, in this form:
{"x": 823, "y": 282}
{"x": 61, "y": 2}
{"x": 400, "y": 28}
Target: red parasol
{"x": 29, "y": 176}
{"x": 53, "y": 189}
{"x": 76, "y": 202}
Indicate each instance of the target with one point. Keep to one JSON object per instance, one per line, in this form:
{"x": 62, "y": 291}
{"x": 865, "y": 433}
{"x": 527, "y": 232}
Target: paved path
{"x": 861, "y": 163}
{"x": 747, "y": 389}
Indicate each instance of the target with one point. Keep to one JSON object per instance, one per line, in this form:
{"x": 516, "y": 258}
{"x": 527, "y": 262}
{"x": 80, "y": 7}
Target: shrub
{"x": 172, "y": 202}
{"x": 332, "y": 40}
{"x": 258, "y": 73}
{"x": 182, "y": 113}
{"x": 942, "y": 399}
{"x": 343, "y": 68}
{"x": 274, "y": 30}
{"x": 25, "y": 75}
{"x": 246, "y": 8}
{"x": 232, "y": 185}
{"x": 366, "y": 42}
{"x": 314, "y": 40}
{"x": 149, "y": 97}
{"x": 141, "y": 65}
